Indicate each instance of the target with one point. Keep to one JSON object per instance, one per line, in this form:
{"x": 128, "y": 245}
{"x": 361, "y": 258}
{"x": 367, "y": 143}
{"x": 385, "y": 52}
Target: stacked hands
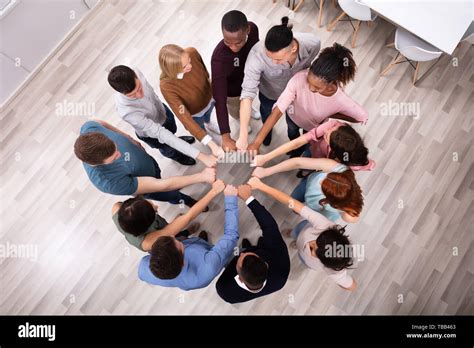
{"x": 243, "y": 191}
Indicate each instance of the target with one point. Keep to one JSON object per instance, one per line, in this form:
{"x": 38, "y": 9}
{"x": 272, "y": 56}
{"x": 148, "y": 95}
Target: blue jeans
{"x": 300, "y": 190}
{"x": 293, "y": 133}
{"x": 204, "y": 118}
{"x": 165, "y": 149}
{"x": 173, "y": 197}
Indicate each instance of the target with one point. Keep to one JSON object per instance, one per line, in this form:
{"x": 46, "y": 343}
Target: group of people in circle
{"x": 291, "y": 75}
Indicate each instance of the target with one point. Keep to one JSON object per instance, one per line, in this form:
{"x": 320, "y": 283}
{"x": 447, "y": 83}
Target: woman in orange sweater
{"x": 185, "y": 85}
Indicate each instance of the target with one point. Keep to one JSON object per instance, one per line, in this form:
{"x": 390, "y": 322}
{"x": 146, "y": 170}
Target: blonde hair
{"x": 170, "y": 61}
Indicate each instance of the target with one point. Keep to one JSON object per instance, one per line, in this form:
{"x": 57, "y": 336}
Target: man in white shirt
{"x": 154, "y": 123}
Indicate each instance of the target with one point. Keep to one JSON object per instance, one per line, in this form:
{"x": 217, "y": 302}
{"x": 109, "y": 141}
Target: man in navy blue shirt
{"x": 258, "y": 270}
{"x": 117, "y": 164}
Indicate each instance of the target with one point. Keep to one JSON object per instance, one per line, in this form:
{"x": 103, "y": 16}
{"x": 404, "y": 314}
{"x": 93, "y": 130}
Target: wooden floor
{"x": 417, "y": 224}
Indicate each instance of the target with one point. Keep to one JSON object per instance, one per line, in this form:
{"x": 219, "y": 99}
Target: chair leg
{"x": 392, "y": 64}
{"x": 298, "y": 5}
{"x": 390, "y": 45}
{"x": 356, "y": 32}
{"x": 334, "y": 22}
{"x": 369, "y": 23}
{"x": 415, "y": 75}
{"x": 321, "y": 2}
{"x": 334, "y": 3}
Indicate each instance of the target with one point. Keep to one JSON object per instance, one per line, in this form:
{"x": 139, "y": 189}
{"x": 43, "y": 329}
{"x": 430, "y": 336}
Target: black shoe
{"x": 184, "y": 160}
{"x": 203, "y": 235}
{"x": 183, "y": 234}
{"x": 188, "y": 139}
{"x": 246, "y": 243}
{"x": 191, "y": 201}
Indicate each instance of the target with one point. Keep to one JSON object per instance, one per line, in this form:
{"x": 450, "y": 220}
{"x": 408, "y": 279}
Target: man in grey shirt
{"x": 154, "y": 123}
{"x": 269, "y": 67}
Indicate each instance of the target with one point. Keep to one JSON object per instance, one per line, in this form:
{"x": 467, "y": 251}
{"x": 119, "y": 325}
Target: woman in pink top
{"x": 333, "y": 139}
{"x": 315, "y": 95}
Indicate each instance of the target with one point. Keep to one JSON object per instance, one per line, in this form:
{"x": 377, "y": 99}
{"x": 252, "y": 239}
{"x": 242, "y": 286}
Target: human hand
{"x": 260, "y": 172}
{"x": 218, "y": 186}
{"x": 208, "y": 175}
{"x": 244, "y": 191}
{"x": 230, "y": 190}
{"x": 228, "y": 144}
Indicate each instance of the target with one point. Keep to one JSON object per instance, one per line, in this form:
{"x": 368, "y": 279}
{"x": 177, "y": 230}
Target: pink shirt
{"x": 320, "y": 148}
{"x": 311, "y": 109}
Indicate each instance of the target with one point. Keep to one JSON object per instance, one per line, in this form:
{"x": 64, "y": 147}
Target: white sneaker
{"x": 213, "y": 127}
{"x": 255, "y": 114}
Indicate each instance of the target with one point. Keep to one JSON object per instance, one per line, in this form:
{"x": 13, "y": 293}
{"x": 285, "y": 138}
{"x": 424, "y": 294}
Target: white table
{"x": 441, "y": 23}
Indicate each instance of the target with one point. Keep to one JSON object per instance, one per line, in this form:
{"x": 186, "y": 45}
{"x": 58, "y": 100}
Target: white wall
{"x": 29, "y": 32}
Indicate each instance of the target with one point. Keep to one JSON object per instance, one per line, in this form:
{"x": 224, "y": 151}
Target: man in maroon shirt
{"x": 227, "y": 65}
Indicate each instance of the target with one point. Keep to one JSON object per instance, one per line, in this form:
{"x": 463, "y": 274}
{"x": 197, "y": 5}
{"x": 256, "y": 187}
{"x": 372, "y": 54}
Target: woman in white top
{"x": 321, "y": 243}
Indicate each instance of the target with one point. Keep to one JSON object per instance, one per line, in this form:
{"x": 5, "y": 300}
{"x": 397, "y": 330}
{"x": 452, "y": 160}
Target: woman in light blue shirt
{"x": 332, "y": 190}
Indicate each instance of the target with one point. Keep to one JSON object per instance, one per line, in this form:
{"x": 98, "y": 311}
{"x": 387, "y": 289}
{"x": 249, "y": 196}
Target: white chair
{"x": 319, "y": 3}
{"x": 355, "y": 10}
{"x": 412, "y": 49}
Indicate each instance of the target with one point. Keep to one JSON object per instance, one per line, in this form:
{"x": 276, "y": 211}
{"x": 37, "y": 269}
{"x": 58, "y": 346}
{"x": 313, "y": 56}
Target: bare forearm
{"x": 150, "y": 184}
{"x": 282, "y": 197}
{"x": 268, "y": 125}
{"x": 287, "y": 147}
{"x": 245, "y": 113}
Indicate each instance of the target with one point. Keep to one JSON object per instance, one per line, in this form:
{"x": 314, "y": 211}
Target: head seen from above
{"x": 235, "y": 29}
{"x": 174, "y": 62}
{"x": 346, "y": 146}
{"x": 342, "y": 192}
{"x": 280, "y": 45}
{"x": 327, "y": 248}
{"x": 167, "y": 257}
{"x": 334, "y": 67}
{"x": 124, "y": 80}
{"x": 136, "y": 215}
{"x": 95, "y": 148}
{"x": 252, "y": 270}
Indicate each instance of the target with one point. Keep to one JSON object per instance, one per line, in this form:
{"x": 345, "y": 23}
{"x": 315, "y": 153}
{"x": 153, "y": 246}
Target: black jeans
{"x": 165, "y": 149}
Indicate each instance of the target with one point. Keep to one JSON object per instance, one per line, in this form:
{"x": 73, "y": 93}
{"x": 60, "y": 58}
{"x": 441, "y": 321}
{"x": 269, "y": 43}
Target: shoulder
{"x": 116, "y": 207}
{"x": 91, "y": 126}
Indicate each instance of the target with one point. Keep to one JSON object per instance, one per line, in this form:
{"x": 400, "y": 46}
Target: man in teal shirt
{"x": 194, "y": 262}
{"x": 117, "y": 164}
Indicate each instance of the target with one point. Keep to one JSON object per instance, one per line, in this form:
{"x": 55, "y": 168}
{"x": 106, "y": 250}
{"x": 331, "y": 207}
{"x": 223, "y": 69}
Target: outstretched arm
{"x": 278, "y": 195}
{"x": 148, "y": 184}
{"x": 180, "y": 222}
{"x": 323, "y": 164}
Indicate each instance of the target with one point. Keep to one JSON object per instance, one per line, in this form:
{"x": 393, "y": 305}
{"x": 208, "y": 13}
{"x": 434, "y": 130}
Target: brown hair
{"x": 170, "y": 61}
{"x": 342, "y": 192}
{"x": 93, "y": 148}
{"x": 166, "y": 260}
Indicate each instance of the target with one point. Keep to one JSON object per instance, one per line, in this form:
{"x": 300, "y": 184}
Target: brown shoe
{"x": 203, "y": 235}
